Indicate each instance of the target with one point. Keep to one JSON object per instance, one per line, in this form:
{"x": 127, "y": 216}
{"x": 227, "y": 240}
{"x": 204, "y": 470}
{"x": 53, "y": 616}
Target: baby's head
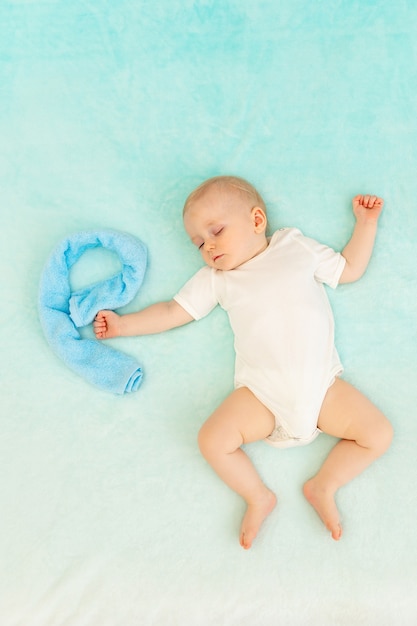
{"x": 225, "y": 218}
{"x": 231, "y": 185}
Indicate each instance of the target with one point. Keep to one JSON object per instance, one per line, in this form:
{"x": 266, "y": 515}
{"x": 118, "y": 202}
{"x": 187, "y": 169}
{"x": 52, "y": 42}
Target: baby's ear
{"x": 259, "y": 219}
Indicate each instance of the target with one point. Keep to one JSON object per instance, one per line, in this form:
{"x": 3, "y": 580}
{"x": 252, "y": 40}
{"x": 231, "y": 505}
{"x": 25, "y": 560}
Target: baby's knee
{"x": 206, "y": 440}
{"x": 216, "y": 438}
{"x": 385, "y": 434}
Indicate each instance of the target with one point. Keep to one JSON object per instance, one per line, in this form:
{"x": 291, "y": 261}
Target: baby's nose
{"x": 209, "y": 244}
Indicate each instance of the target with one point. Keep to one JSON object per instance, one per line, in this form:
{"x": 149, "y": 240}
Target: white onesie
{"x": 283, "y": 327}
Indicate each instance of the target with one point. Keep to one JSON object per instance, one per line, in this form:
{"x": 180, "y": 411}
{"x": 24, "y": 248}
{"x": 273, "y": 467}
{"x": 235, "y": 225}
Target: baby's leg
{"x": 240, "y": 419}
{"x": 365, "y": 435}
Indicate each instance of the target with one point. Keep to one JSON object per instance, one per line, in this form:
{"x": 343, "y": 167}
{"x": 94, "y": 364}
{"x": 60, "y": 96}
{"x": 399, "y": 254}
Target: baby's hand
{"x": 106, "y": 325}
{"x": 367, "y": 208}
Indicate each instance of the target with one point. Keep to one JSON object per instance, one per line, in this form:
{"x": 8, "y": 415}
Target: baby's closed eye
{"x": 215, "y": 232}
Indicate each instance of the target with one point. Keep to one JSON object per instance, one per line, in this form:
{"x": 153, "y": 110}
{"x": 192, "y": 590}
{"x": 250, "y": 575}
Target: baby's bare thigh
{"x": 242, "y": 411}
{"x": 348, "y": 414}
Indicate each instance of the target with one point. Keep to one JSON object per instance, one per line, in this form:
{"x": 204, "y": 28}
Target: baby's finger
{"x": 357, "y": 201}
{"x": 99, "y": 331}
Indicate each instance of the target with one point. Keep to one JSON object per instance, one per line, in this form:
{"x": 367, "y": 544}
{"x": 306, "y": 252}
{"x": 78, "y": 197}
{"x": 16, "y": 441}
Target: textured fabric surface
{"x": 110, "y": 113}
{"x": 62, "y": 311}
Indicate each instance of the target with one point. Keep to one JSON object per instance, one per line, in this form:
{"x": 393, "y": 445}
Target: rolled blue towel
{"x": 62, "y": 312}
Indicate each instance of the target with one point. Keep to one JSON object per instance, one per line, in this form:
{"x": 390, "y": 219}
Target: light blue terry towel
{"x": 62, "y": 312}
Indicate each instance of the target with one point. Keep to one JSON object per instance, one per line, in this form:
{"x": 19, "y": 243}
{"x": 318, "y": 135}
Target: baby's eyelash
{"x": 215, "y": 233}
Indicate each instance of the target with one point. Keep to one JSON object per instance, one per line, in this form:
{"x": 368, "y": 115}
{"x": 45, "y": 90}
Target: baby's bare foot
{"x": 325, "y": 505}
{"x": 256, "y": 512}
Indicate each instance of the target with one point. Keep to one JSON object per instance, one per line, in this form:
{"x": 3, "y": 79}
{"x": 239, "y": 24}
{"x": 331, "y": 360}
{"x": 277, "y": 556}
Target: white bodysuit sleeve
{"x": 329, "y": 264}
{"x": 197, "y": 296}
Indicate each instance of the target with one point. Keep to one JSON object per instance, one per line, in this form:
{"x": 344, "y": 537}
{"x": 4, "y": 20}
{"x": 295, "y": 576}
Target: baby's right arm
{"x": 154, "y": 319}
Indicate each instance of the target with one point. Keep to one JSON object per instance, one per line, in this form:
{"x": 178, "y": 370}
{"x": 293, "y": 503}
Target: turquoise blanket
{"x": 111, "y": 111}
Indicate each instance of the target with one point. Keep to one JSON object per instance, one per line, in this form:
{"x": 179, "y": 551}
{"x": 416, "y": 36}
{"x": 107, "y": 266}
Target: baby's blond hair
{"x": 236, "y": 183}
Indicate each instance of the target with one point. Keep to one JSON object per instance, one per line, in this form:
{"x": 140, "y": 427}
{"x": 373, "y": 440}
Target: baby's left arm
{"x": 358, "y": 251}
